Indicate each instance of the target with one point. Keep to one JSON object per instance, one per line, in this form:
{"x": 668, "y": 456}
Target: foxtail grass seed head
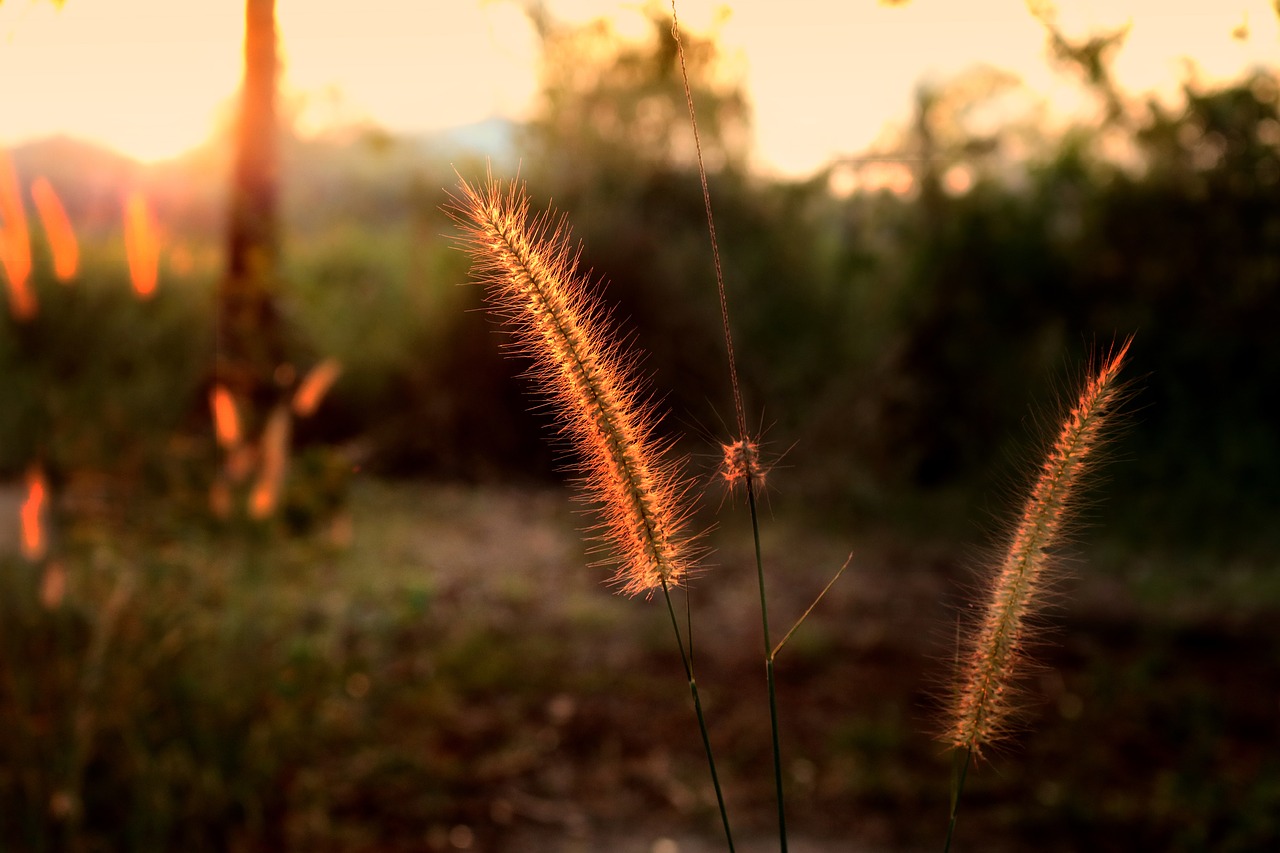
{"x": 981, "y": 708}
{"x": 313, "y": 388}
{"x": 741, "y": 464}
{"x": 532, "y": 283}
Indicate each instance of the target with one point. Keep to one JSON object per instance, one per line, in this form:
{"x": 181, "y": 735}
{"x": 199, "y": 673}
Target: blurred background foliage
{"x": 907, "y": 322}
{"x": 894, "y": 343}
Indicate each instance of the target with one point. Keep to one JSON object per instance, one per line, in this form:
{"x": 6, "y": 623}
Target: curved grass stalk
{"x": 742, "y": 458}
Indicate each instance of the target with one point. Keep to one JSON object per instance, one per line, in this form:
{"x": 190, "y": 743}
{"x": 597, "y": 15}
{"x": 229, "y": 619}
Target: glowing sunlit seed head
{"x": 142, "y": 244}
{"x": 315, "y": 386}
{"x": 982, "y": 705}
{"x": 226, "y": 421}
{"x": 33, "y": 512}
{"x": 262, "y": 500}
{"x": 57, "y": 229}
{"x": 529, "y": 267}
{"x": 741, "y": 464}
{"x": 15, "y": 243}
{"x": 274, "y": 457}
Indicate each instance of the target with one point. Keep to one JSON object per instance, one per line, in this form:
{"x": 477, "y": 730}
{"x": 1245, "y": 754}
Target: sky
{"x": 153, "y": 78}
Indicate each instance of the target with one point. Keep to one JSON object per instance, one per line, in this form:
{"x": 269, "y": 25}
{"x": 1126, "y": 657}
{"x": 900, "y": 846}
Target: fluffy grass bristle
{"x": 982, "y": 706}
{"x": 532, "y": 283}
{"x": 741, "y": 464}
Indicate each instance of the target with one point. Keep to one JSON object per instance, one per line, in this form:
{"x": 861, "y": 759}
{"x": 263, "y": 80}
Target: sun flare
{"x": 153, "y": 78}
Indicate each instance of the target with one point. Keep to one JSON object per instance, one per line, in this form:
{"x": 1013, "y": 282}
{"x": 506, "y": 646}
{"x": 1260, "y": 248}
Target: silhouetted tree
{"x": 249, "y": 338}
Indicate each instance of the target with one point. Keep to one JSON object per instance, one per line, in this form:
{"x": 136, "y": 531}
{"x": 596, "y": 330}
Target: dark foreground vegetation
{"x": 450, "y": 671}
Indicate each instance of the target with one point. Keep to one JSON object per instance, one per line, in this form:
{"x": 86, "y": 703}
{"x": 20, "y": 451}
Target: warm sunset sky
{"x": 150, "y": 77}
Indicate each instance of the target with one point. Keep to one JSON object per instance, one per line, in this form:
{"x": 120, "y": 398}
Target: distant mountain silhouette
{"x": 70, "y": 161}
{"x": 494, "y": 138}
{"x": 53, "y": 156}
{"x": 352, "y": 168}
{"x": 88, "y": 177}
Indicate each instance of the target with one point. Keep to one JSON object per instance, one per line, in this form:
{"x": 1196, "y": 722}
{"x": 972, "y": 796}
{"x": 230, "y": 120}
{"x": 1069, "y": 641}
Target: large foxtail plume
{"x": 532, "y": 283}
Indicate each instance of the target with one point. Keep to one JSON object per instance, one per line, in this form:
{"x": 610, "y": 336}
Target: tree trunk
{"x": 250, "y": 344}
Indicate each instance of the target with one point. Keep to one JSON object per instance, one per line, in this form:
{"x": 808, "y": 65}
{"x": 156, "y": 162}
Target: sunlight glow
{"x": 57, "y": 229}
{"x": 146, "y": 77}
{"x": 154, "y": 78}
{"x": 413, "y": 67}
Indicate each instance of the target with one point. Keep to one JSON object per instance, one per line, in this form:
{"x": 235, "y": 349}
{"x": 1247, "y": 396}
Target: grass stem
{"x": 768, "y": 670}
{"x": 702, "y": 723}
{"x": 957, "y": 787}
{"x": 751, "y": 470}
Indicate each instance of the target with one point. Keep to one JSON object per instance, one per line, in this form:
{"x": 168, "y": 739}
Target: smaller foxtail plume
{"x": 981, "y": 706}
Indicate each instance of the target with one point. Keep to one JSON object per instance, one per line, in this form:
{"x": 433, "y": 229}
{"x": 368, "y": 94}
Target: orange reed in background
{"x": 142, "y": 243}
{"x": 314, "y": 387}
{"x": 274, "y": 456}
{"x": 57, "y": 228}
{"x": 15, "y": 242}
{"x": 226, "y": 421}
{"x": 32, "y": 513}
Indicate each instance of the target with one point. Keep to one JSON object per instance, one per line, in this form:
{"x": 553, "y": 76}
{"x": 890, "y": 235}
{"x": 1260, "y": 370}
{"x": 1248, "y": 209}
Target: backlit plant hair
{"x": 532, "y": 283}
{"x": 981, "y": 706}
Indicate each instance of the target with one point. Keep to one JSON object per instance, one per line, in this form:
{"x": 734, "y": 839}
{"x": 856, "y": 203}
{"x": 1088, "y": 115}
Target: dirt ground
{"x": 544, "y": 713}
{"x": 1149, "y": 724}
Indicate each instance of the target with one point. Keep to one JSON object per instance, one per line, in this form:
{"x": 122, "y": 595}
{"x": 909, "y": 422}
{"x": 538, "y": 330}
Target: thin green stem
{"x": 740, "y": 413}
{"x": 768, "y": 669}
{"x": 739, "y": 410}
{"x": 957, "y": 787}
{"x": 688, "y": 627}
{"x": 702, "y": 722}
